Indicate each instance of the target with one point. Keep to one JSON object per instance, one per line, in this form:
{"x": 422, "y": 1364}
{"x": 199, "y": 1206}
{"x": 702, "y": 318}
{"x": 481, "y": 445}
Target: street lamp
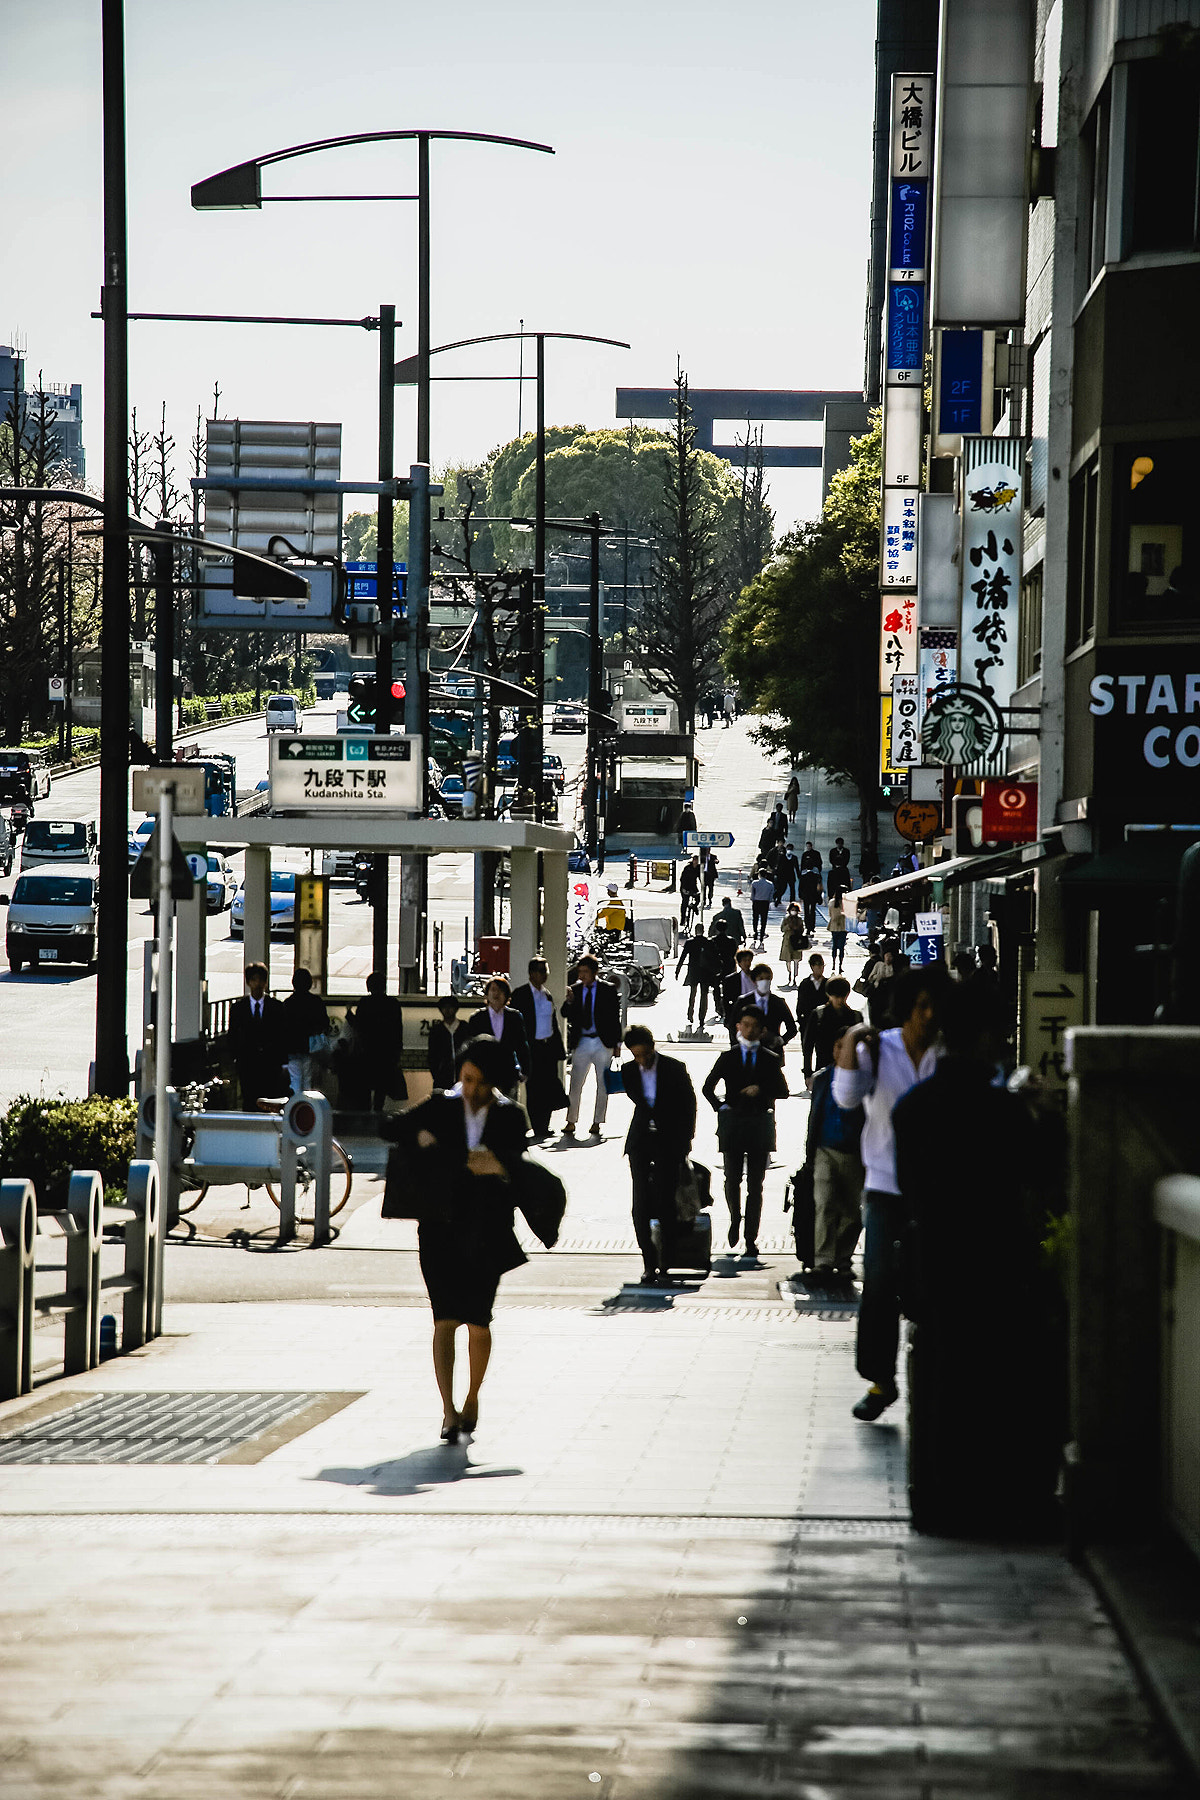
{"x": 239, "y": 188}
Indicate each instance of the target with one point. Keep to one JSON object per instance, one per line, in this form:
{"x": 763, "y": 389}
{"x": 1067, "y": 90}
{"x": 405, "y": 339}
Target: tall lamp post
{"x": 239, "y": 188}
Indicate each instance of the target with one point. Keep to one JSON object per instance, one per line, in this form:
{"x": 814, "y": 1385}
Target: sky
{"x": 708, "y": 200}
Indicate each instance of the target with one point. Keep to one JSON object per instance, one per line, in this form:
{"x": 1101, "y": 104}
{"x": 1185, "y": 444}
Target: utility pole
{"x": 384, "y": 583}
{"x": 112, "y": 1050}
{"x": 164, "y": 642}
{"x": 595, "y": 683}
{"x": 62, "y": 647}
{"x": 414, "y": 870}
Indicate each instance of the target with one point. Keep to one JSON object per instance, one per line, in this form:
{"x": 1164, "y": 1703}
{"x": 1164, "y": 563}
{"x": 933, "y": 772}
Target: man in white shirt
{"x": 762, "y": 892}
{"x": 874, "y": 1070}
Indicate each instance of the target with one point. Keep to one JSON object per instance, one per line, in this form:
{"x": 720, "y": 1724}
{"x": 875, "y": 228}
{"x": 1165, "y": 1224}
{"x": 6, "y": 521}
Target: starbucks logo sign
{"x": 961, "y": 725}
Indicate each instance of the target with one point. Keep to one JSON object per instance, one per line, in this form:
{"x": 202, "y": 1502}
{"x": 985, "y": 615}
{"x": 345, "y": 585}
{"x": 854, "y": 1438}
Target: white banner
{"x": 906, "y": 721}
{"x": 992, "y": 470}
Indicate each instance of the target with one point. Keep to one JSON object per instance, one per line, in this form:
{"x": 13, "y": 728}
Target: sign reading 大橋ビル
{"x": 1144, "y": 703}
{"x": 345, "y": 774}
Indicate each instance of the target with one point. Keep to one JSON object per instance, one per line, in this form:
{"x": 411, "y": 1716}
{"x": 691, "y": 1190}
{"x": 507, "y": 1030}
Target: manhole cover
{"x": 152, "y": 1428}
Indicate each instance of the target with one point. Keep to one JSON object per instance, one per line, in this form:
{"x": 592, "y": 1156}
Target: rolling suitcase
{"x": 692, "y": 1245}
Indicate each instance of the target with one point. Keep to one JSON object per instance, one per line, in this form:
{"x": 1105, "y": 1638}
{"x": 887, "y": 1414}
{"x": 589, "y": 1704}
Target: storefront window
{"x": 1157, "y": 535}
{"x": 1029, "y": 645}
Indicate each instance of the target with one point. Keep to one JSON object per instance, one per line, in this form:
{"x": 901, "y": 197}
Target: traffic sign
{"x": 708, "y": 840}
{"x": 346, "y": 774}
{"x": 197, "y": 862}
{"x": 186, "y": 784}
{"x": 143, "y": 877}
{"x": 58, "y": 689}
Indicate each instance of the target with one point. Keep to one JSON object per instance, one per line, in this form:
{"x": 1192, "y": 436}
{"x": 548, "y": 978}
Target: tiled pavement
{"x": 671, "y": 1567}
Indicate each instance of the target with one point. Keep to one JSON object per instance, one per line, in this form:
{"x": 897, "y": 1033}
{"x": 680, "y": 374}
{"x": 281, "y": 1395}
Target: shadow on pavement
{"x": 420, "y": 1472}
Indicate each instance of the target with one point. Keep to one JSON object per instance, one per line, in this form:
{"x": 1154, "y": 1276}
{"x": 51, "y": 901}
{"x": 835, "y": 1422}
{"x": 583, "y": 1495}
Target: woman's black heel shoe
{"x": 450, "y": 1433}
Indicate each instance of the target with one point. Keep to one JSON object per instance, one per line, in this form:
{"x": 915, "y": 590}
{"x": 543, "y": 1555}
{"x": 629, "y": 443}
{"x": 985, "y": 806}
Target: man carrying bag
{"x": 753, "y": 1079}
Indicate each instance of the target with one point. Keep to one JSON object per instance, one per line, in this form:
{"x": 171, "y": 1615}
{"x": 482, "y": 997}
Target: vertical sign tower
{"x": 904, "y": 338}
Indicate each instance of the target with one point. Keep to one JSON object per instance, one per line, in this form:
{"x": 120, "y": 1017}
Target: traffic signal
{"x": 361, "y": 709}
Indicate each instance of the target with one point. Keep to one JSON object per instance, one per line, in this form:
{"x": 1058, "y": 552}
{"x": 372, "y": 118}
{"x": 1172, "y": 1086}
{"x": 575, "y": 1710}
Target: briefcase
{"x": 799, "y": 1195}
{"x": 612, "y": 1080}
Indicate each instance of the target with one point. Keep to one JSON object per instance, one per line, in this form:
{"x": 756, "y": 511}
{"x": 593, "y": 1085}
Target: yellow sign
{"x": 311, "y": 899}
{"x": 888, "y": 775}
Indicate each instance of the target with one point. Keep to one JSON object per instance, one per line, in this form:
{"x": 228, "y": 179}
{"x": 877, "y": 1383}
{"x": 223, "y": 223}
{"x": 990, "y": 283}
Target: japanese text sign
{"x": 346, "y": 774}
{"x": 1010, "y": 812}
{"x": 906, "y": 721}
{"x": 898, "y": 567}
{"x": 898, "y": 638}
{"x": 1054, "y": 1002}
{"x": 912, "y": 127}
{"x": 904, "y": 345}
{"x": 991, "y": 564}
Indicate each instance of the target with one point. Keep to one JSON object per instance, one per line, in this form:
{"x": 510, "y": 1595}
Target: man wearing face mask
{"x": 753, "y": 1079}
{"x": 779, "y": 1027}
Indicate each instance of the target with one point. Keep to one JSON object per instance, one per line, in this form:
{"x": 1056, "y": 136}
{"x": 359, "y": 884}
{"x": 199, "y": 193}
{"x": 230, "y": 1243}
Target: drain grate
{"x": 152, "y": 1428}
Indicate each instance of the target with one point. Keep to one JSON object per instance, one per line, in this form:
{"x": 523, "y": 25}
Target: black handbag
{"x": 540, "y": 1197}
{"x": 402, "y": 1196}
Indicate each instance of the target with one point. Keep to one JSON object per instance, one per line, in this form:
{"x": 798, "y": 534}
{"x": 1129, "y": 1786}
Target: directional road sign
{"x": 346, "y": 774}
{"x": 708, "y": 840}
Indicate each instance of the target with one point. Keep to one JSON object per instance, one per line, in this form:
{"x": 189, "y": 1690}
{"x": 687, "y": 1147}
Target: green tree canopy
{"x": 803, "y": 640}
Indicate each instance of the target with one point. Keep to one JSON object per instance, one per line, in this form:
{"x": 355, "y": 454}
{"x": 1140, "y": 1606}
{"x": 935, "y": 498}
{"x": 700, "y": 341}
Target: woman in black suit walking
{"x": 463, "y": 1149}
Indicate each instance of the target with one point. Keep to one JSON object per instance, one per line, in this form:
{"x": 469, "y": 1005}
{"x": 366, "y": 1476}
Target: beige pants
{"x": 837, "y": 1193}
{"x": 588, "y": 1054}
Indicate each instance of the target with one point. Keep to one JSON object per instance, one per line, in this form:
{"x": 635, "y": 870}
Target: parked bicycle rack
{"x": 251, "y": 1147}
{"x": 81, "y": 1222}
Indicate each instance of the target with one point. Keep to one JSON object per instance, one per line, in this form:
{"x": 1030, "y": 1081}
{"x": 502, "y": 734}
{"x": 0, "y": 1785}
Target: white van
{"x": 57, "y": 841}
{"x": 52, "y": 917}
{"x": 283, "y": 713}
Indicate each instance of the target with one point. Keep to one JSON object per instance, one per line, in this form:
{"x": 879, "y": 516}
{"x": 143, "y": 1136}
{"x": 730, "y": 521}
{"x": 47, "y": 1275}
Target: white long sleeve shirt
{"x": 878, "y": 1092}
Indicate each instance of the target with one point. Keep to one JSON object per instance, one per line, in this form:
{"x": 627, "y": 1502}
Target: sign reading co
{"x": 1144, "y": 703}
{"x": 1010, "y": 812}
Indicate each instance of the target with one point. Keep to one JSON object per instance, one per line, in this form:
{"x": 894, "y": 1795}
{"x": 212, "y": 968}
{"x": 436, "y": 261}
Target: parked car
{"x": 283, "y": 904}
{"x": 338, "y": 865}
{"x": 139, "y": 837}
{"x": 221, "y": 884}
{"x": 52, "y": 917}
{"x": 553, "y": 771}
{"x": 283, "y": 713}
{"x": 568, "y": 716}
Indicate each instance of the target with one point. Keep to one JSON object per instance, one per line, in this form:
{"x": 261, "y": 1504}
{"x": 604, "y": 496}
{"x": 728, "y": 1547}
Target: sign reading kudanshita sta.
{"x": 345, "y": 774}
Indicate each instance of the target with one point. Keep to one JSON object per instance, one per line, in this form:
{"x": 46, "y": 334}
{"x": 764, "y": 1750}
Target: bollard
{"x": 141, "y": 1283}
{"x": 18, "y": 1231}
{"x": 85, "y": 1199}
{"x": 307, "y": 1132}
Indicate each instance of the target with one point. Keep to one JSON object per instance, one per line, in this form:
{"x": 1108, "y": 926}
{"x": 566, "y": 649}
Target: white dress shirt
{"x": 497, "y": 1019}
{"x": 472, "y": 1119}
{"x": 543, "y": 1014}
{"x": 878, "y": 1092}
{"x": 650, "y": 1083}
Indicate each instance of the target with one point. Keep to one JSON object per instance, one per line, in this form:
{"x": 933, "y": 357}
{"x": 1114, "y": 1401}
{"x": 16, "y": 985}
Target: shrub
{"x": 44, "y": 1140}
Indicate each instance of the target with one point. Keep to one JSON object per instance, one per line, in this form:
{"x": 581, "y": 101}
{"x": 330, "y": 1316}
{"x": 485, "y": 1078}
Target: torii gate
{"x": 841, "y": 412}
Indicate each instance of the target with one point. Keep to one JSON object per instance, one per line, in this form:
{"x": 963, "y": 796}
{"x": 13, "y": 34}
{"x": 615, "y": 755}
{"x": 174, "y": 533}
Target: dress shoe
{"x": 875, "y": 1401}
{"x": 752, "y": 1252}
{"x": 594, "y": 1132}
{"x": 568, "y": 1131}
{"x": 734, "y": 1233}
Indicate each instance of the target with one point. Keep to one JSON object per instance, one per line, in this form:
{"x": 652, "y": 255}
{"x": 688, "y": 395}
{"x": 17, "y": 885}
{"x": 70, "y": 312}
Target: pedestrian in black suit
{"x": 735, "y": 988}
{"x": 447, "y": 1036}
{"x": 811, "y": 992}
{"x": 659, "y": 1138}
{"x": 753, "y": 1079}
{"x": 544, "y": 1092}
{"x": 779, "y": 1027}
{"x": 258, "y": 1040}
{"x": 460, "y": 1158}
{"x": 503, "y": 1022}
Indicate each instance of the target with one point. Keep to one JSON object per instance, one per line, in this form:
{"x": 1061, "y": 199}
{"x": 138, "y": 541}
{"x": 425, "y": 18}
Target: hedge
{"x": 44, "y": 1140}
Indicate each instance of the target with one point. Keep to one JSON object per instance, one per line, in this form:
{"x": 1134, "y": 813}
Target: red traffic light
{"x": 397, "y": 690}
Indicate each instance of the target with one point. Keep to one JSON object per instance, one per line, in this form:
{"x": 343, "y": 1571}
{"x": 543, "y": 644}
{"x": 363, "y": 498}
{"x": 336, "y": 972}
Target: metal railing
{"x": 81, "y": 1222}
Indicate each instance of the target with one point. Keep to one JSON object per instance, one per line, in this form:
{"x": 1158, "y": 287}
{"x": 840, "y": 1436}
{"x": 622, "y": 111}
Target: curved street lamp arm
{"x": 240, "y": 186}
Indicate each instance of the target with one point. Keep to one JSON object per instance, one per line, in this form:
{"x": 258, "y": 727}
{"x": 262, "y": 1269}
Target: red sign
{"x": 1009, "y": 812}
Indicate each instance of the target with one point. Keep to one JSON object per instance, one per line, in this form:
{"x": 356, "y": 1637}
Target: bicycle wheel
{"x": 341, "y": 1171}
{"x": 193, "y": 1197}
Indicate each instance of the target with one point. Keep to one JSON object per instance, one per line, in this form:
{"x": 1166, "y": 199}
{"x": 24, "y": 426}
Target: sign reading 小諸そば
{"x": 991, "y": 564}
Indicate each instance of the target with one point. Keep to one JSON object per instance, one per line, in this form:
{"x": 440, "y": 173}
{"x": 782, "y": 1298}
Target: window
{"x": 1084, "y": 527}
{"x": 1163, "y": 153}
{"x": 1156, "y": 560}
{"x": 1029, "y": 626}
{"x": 1094, "y": 200}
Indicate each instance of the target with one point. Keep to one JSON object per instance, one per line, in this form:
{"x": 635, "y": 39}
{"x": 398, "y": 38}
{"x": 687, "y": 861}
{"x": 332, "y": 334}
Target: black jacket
{"x": 514, "y": 1037}
{"x": 522, "y": 1000}
{"x": 823, "y": 1027}
{"x": 732, "y": 1071}
{"x": 443, "y": 1048}
{"x": 673, "y": 1114}
{"x": 259, "y": 1046}
{"x": 735, "y": 929}
{"x": 809, "y": 993}
{"x": 465, "y": 1217}
{"x": 731, "y": 994}
{"x": 607, "y": 1014}
{"x": 304, "y": 1017}
{"x": 695, "y": 961}
{"x": 779, "y": 1027}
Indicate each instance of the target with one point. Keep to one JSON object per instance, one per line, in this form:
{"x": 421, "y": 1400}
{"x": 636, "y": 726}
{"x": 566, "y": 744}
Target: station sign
{"x": 643, "y": 717}
{"x": 346, "y": 774}
{"x": 708, "y": 840}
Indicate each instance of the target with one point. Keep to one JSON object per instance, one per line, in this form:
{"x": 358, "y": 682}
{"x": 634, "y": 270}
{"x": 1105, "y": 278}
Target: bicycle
{"x": 341, "y": 1175}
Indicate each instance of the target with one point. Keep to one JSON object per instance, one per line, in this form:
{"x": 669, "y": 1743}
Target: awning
{"x": 955, "y": 870}
{"x": 1145, "y": 859}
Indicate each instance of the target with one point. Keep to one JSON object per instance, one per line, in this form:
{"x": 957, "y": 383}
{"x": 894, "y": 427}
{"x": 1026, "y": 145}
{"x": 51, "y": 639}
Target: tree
{"x": 755, "y": 520}
{"x": 803, "y": 641}
{"x": 677, "y": 646}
